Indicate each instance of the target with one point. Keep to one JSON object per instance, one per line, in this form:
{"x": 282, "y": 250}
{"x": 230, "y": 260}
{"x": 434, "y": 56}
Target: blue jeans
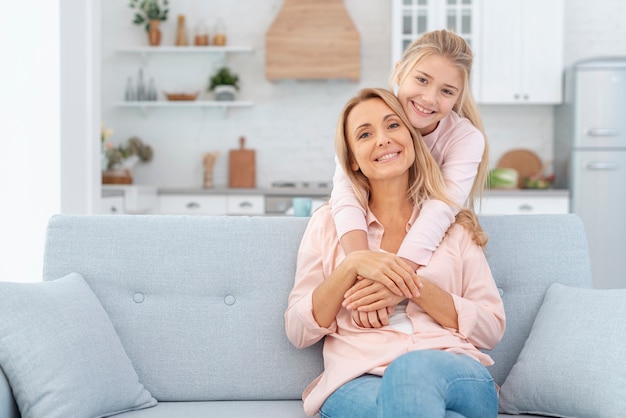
{"x": 424, "y": 383}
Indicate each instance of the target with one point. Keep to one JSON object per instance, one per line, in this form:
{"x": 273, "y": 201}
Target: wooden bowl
{"x": 181, "y": 96}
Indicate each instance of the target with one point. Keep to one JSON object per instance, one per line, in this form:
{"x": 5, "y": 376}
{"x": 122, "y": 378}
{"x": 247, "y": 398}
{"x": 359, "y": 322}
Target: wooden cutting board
{"x": 242, "y": 166}
{"x": 313, "y": 39}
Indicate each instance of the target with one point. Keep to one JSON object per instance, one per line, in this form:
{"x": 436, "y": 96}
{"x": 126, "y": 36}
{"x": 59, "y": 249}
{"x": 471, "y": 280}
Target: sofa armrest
{"x": 8, "y": 407}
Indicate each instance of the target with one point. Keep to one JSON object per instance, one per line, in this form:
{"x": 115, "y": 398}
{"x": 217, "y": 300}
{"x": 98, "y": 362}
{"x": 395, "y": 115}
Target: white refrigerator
{"x": 590, "y": 160}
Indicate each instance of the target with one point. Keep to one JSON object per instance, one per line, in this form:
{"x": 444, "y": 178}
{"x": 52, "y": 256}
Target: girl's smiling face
{"x": 430, "y": 92}
{"x": 381, "y": 144}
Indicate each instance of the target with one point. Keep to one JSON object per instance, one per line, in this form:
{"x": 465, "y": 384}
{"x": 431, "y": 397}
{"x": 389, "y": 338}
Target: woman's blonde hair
{"x": 425, "y": 178}
{"x": 453, "y": 47}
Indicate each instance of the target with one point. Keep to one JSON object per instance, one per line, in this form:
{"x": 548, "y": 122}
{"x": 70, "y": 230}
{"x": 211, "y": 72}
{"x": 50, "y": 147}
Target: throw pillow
{"x": 61, "y": 354}
{"x": 572, "y": 364}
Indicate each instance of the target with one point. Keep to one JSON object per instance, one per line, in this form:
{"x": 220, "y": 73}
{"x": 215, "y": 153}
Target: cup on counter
{"x": 302, "y": 206}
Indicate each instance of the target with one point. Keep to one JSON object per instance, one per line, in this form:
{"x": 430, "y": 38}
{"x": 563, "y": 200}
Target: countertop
{"x": 313, "y": 191}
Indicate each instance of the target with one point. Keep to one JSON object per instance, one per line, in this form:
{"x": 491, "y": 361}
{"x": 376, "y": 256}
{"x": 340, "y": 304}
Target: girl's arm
{"x": 459, "y": 169}
{"x": 348, "y": 214}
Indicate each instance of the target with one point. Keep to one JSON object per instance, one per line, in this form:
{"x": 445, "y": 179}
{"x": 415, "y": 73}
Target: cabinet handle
{"x": 245, "y": 204}
{"x": 599, "y": 166}
{"x": 193, "y": 205}
{"x": 113, "y": 209}
{"x": 525, "y": 207}
{"x": 602, "y": 132}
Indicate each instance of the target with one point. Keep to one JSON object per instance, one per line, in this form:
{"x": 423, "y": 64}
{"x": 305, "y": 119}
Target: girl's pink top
{"x": 457, "y": 266}
{"x": 458, "y": 147}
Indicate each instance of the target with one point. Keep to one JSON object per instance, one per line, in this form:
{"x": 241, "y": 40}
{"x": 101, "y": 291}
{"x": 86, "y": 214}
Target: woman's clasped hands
{"x": 383, "y": 281}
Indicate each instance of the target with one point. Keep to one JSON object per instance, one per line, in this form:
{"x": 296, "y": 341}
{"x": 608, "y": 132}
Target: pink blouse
{"x": 457, "y": 266}
{"x": 457, "y": 146}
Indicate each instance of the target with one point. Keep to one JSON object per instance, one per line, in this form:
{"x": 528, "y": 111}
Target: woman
{"x": 425, "y": 360}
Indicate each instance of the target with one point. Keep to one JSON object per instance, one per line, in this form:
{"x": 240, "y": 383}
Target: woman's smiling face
{"x": 430, "y": 92}
{"x": 381, "y": 144}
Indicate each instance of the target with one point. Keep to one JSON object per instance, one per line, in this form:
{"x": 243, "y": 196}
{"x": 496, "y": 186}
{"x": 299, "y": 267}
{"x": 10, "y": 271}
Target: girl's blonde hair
{"x": 453, "y": 47}
{"x": 425, "y": 178}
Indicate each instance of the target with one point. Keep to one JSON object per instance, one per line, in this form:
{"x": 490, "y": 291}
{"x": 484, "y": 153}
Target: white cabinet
{"x": 245, "y": 204}
{"x": 192, "y": 204}
{"x": 522, "y": 52}
{"x": 522, "y": 204}
{"x": 410, "y": 18}
{"x": 111, "y": 205}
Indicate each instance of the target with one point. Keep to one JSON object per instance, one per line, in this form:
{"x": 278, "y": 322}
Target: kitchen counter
{"x": 299, "y": 191}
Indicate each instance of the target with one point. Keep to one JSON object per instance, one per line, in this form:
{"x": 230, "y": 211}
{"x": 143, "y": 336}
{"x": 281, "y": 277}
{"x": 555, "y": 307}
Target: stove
{"x": 301, "y": 184}
{"x": 279, "y": 197}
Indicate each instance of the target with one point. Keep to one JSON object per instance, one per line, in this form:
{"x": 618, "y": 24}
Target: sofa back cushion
{"x": 526, "y": 254}
{"x": 198, "y": 302}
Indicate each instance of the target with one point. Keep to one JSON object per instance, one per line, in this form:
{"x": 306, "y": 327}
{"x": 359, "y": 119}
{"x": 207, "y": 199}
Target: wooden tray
{"x": 526, "y": 162}
{"x": 181, "y": 96}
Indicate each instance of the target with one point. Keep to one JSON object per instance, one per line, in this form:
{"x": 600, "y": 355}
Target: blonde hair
{"x": 453, "y": 47}
{"x": 425, "y": 178}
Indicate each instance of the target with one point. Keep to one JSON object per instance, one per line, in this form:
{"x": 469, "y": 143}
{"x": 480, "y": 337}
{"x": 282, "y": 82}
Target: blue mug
{"x": 302, "y": 206}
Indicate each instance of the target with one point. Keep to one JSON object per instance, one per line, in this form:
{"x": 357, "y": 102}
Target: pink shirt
{"x": 458, "y": 266}
{"x": 457, "y": 146}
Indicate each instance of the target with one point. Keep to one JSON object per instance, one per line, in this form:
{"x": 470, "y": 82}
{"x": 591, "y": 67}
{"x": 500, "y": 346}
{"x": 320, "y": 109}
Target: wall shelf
{"x": 204, "y": 104}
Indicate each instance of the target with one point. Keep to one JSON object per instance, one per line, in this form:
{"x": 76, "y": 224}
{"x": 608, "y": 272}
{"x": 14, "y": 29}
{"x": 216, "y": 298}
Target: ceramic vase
{"x": 154, "y": 33}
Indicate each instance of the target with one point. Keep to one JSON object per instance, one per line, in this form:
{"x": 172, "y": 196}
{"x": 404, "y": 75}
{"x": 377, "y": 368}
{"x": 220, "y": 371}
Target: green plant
{"x": 223, "y": 76}
{"x": 134, "y": 146}
{"x": 150, "y": 10}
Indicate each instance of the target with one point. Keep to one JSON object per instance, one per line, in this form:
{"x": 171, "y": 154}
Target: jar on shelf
{"x": 201, "y": 35}
{"x": 219, "y": 33}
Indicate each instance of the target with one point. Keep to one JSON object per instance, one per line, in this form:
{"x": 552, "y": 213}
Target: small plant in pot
{"x": 149, "y": 10}
{"x": 224, "y": 83}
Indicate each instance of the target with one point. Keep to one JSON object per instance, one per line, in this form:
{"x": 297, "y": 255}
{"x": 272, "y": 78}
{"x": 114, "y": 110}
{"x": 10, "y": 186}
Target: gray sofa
{"x": 198, "y": 302}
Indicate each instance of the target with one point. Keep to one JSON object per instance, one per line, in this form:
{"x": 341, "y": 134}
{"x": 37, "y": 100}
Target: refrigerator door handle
{"x": 602, "y": 166}
{"x": 602, "y": 132}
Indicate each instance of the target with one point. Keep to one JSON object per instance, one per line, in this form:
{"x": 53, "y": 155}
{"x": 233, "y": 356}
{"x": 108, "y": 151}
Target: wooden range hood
{"x": 312, "y": 39}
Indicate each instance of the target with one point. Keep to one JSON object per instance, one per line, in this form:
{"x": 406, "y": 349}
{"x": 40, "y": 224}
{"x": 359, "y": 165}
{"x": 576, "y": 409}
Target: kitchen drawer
{"x": 245, "y": 204}
{"x": 523, "y": 205}
{"x": 111, "y": 205}
{"x": 192, "y": 205}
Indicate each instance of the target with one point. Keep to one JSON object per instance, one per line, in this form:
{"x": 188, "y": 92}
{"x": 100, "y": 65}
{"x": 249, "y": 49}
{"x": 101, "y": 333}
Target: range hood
{"x": 312, "y": 39}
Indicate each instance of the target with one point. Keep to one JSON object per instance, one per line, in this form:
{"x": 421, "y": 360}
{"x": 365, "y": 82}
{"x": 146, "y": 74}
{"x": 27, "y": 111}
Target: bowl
{"x": 181, "y": 96}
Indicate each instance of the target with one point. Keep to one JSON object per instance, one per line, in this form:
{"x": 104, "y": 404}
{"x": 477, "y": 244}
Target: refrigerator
{"x": 590, "y": 160}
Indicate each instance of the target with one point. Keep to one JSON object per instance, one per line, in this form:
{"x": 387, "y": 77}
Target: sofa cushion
{"x": 61, "y": 354}
{"x": 573, "y": 361}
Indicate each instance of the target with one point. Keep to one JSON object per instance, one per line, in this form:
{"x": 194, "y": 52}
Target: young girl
{"x": 432, "y": 83}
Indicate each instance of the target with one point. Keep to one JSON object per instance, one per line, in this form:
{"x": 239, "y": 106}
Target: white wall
{"x": 291, "y": 123}
{"x": 30, "y": 129}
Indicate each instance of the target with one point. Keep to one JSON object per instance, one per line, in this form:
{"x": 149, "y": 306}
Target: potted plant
{"x": 150, "y": 13}
{"x": 224, "y": 83}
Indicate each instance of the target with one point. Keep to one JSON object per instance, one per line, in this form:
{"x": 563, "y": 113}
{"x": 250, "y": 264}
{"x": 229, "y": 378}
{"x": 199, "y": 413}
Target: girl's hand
{"x": 387, "y": 269}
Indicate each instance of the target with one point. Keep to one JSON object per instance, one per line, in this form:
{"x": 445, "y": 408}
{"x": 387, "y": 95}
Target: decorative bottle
{"x": 181, "y": 33}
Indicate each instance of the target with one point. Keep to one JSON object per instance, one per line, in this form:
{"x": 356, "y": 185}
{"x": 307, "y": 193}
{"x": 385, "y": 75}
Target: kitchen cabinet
{"x": 410, "y": 18}
{"x": 178, "y": 52}
{"x": 208, "y": 203}
{"x": 111, "y": 205}
{"x": 245, "y": 204}
{"x": 192, "y": 204}
{"x": 526, "y": 202}
{"x": 522, "y": 52}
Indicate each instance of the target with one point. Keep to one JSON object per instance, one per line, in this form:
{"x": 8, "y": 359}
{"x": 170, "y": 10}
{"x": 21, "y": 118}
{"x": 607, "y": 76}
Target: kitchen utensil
{"x": 313, "y": 40}
{"x": 525, "y": 162}
{"x": 242, "y": 166}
